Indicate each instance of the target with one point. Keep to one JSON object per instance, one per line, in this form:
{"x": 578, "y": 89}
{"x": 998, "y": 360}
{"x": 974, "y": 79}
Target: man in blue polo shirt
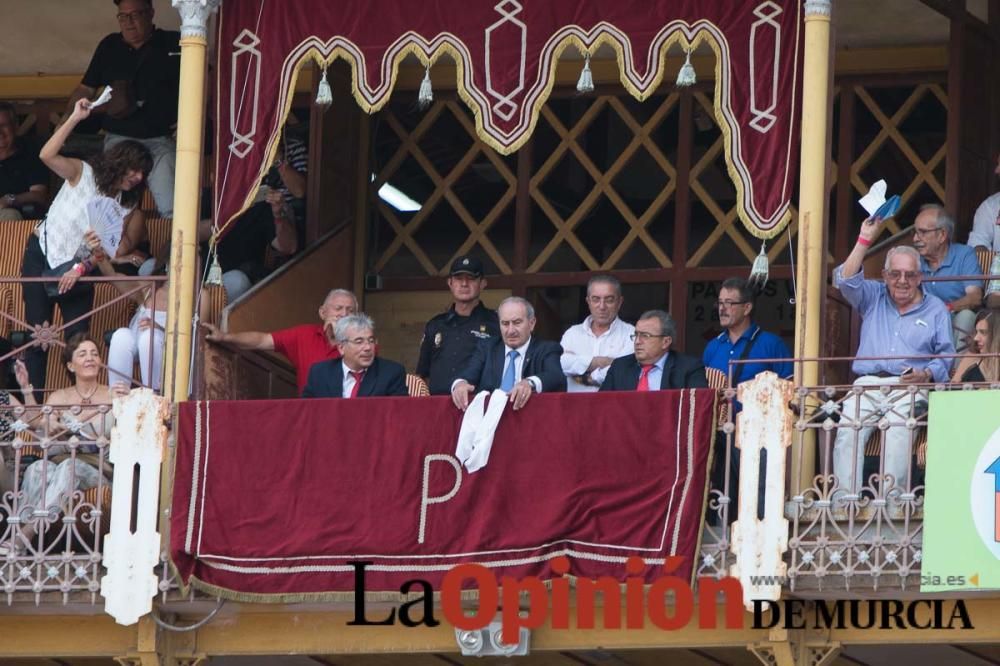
{"x": 742, "y": 340}
{"x": 933, "y": 235}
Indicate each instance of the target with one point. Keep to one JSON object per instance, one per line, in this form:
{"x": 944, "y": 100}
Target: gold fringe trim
{"x": 370, "y": 597}
{"x": 676, "y": 36}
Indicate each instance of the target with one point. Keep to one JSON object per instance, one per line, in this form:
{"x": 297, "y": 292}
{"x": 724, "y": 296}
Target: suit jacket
{"x": 679, "y": 371}
{"x": 383, "y": 377}
{"x": 485, "y": 369}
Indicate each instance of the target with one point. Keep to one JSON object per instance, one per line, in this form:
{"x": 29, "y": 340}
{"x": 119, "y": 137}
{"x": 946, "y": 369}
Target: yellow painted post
{"x": 187, "y": 194}
{"x": 811, "y": 271}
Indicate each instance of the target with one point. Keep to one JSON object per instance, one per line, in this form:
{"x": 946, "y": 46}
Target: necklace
{"x": 85, "y": 399}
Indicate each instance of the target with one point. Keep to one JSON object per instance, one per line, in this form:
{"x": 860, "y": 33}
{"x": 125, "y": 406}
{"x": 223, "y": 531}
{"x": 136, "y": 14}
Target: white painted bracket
{"x": 139, "y": 437}
{"x": 765, "y": 424}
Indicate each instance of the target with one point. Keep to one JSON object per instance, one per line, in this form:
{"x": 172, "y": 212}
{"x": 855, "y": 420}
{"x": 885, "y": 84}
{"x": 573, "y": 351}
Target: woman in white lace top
{"x": 56, "y": 247}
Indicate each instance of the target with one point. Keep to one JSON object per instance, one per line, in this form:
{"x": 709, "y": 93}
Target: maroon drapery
{"x": 272, "y": 499}
{"x": 506, "y": 54}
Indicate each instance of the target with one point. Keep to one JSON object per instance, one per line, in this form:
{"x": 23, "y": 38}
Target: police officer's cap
{"x": 467, "y": 264}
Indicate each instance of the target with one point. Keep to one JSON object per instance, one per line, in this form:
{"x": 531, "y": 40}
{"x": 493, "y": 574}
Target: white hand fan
{"x": 107, "y": 218}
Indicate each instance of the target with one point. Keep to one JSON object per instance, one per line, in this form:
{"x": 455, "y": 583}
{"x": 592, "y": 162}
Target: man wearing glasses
{"x": 899, "y": 319}
{"x": 358, "y": 373}
{"x": 590, "y": 347}
{"x": 742, "y": 339}
{"x": 142, "y": 65}
{"x": 653, "y": 366}
{"x": 940, "y": 256}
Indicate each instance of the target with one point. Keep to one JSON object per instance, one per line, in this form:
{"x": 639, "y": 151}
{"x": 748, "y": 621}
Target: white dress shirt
{"x": 985, "y": 231}
{"x": 519, "y": 365}
{"x": 349, "y": 380}
{"x": 580, "y": 346}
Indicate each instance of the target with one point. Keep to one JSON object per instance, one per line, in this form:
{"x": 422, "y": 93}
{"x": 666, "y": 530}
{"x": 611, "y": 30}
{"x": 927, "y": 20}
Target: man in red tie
{"x": 654, "y": 366}
{"x": 358, "y": 373}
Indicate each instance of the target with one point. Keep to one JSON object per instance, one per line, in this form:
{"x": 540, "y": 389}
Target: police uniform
{"x": 449, "y": 341}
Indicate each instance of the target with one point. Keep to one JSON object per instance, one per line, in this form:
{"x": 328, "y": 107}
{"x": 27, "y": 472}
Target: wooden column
{"x": 812, "y": 211}
{"x": 187, "y": 194}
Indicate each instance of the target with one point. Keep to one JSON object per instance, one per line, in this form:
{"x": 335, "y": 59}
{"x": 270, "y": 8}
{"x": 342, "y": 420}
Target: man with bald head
{"x": 516, "y": 362}
{"x": 899, "y": 319}
{"x": 303, "y": 345}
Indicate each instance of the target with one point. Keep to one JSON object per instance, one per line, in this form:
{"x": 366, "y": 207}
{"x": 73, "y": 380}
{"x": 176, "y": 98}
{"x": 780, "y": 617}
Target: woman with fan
{"x": 57, "y": 249}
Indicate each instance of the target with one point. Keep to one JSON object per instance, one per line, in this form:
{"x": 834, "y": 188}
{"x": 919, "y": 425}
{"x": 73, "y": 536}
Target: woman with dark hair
{"x": 986, "y": 340}
{"x": 49, "y": 484}
{"x": 57, "y": 246}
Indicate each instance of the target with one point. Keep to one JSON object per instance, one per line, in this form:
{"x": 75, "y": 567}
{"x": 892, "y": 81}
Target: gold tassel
{"x": 687, "y": 77}
{"x": 426, "y": 94}
{"x": 324, "y": 96}
{"x": 586, "y": 82}
{"x": 760, "y": 270}
{"x": 215, "y": 271}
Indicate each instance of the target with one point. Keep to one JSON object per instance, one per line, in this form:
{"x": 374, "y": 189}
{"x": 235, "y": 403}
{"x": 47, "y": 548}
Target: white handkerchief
{"x": 486, "y": 431}
{"x": 103, "y": 98}
{"x": 875, "y": 197}
{"x": 470, "y": 424}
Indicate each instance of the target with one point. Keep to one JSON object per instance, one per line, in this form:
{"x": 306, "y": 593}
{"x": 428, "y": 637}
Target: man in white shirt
{"x": 986, "y": 233}
{"x": 590, "y": 347}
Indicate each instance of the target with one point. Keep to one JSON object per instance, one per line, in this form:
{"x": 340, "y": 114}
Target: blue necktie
{"x": 508, "y": 376}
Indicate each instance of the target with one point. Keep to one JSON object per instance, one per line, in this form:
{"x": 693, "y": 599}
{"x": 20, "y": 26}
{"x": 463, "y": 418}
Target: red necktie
{"x": 357, "y": 382}
{"x": 643, "y": 384}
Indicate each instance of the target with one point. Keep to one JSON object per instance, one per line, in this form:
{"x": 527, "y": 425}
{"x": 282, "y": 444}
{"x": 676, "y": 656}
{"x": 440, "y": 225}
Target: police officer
{"x": 451, "y": 337}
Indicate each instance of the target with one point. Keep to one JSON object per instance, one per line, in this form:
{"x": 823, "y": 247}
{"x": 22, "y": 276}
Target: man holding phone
{"x": 899, "y": 319}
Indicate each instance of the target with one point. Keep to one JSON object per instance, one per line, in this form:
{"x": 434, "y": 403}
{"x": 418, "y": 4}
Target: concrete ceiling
{"x": 47, "y": 42}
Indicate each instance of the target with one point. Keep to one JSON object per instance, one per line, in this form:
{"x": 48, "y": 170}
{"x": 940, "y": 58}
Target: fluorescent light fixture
{"x": 396, "y": 199}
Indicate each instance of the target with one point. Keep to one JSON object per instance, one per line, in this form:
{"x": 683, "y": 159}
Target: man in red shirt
{"x": 303, "y": 345}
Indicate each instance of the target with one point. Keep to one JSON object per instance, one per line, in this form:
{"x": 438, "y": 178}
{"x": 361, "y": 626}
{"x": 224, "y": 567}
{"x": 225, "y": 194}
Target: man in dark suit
{"x": 516, "y": 363}
{"x": 653, "y": 366}
{"x": 358, "y": 373}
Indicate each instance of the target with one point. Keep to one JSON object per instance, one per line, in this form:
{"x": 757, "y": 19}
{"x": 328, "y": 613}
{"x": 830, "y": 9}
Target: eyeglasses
{"x": 909, "y": 276}
{"x": 607, "y": 300}
{"x": 729, "y": 304}
{"x": 131, "y": 17}
{"x": 642, "y": 335}
{"x": 917, "y": 231}
{"x": 363, "y": 341}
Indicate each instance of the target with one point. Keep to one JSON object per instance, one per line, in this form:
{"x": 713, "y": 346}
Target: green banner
{"x": 961, "y": 548}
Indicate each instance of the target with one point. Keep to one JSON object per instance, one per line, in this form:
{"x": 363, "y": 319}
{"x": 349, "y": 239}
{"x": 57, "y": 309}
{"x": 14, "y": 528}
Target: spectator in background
{"x": 272, "y": 229}
{"x": 985, "y": 230}
{"x": 590, "y": 347}
{"x": 898, "y": 319}
{"x": 986, "y": 340}
{"x": 933, "y": 233}
{"x": 450, "y": 338}
{"x": 986, "y": 233}
{"x": 303, "y": 345}
{"x": 24, "y": 189}
{"x": 653, "y": 366}
{"x": 142, "y": 65}
{"x": 58, "y": 246}
{"x": 359, "y": 372}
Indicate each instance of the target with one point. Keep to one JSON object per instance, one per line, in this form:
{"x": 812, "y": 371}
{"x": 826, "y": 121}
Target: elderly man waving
{"x": 899, "y": 319}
